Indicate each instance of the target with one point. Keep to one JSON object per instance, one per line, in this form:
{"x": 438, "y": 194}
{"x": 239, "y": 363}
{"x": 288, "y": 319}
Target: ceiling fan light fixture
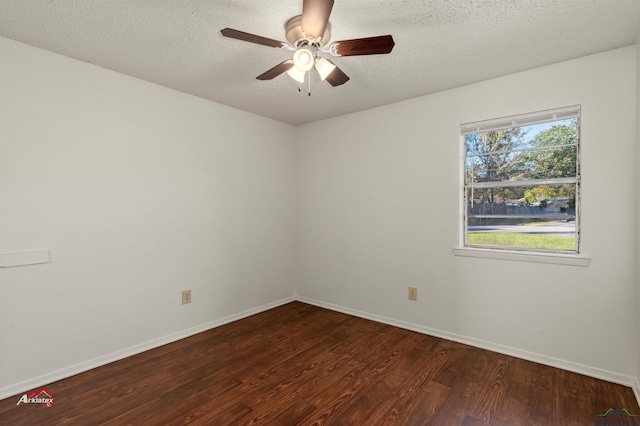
{"x": 324, "y": 67}
{"x": 297, "y": 74}
{"x": 309, "y": 34}
{"x": 303, "y": 59}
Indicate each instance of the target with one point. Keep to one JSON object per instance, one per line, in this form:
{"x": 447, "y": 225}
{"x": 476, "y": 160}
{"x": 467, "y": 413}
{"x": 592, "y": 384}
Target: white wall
{"x": 379, "y": 210}
{"x": 140, "y": 192}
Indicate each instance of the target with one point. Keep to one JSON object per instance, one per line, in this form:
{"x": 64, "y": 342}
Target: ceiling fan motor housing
{"x": 296, "y": 37}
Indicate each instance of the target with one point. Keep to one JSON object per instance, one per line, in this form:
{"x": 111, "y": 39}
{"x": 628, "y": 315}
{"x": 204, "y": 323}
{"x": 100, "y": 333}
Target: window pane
{"x": 533, "y": 217}
{"x": 521, "y": 182}
{"x": 541, "y": 151}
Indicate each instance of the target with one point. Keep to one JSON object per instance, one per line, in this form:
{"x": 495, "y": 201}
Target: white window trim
{"x": 550, "y": 257}
{"x": 522, "y": 256}
{"x": 521, "y": 119}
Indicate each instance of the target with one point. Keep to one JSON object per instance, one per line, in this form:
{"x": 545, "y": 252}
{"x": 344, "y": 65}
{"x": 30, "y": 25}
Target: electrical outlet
{"x": 186, "y": 297}
{"x": 413, "y": 293}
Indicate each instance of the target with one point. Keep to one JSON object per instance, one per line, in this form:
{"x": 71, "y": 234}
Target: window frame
{"x": 571, "y": 257}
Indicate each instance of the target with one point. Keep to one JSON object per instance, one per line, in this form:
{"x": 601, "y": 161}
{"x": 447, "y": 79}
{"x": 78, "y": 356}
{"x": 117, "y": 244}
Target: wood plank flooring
{"x": 302, "y": 365}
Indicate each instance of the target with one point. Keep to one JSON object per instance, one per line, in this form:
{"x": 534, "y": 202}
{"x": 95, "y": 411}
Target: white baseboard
{"x": 595, "y": 372}
{"x": 636, "y": 389}
{"x": 37, "y": 382}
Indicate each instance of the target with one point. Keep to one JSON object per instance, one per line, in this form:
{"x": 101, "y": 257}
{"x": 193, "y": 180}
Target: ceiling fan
{"x": 308, "y": 35}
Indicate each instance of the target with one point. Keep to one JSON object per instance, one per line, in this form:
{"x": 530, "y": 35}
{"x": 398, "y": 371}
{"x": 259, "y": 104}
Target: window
{"x": 522, "y": 182}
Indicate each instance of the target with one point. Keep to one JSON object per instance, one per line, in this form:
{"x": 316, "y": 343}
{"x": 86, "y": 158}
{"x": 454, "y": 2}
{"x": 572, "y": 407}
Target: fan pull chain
{"x": 309, "y": 74}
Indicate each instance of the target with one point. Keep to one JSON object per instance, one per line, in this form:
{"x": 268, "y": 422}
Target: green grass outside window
{"x": 532, "y": 241}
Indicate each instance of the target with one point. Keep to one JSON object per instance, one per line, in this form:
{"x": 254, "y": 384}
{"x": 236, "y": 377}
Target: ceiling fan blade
{"x": 337, "y": 77}
{"x": 276, "y": 71}
{"x": 251, "y": 38}
{"x": 315, "y": 17}
{"x": 363, "y": 46}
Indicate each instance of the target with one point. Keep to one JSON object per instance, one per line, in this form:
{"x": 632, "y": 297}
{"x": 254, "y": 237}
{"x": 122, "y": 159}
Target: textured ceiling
{"x": 440, "y": 44}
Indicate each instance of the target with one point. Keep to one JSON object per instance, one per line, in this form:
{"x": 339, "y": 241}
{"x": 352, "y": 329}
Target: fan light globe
{"x": 303, "y": 59}
{"x": 296, "y": 74}
{"x": 324, "y": 68}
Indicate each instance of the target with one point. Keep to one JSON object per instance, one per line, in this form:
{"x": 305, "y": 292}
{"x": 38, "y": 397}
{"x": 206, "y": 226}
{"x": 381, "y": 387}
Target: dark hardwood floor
{"x": 300, "y": 364}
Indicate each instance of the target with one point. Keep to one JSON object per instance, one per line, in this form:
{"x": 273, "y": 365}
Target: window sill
{"x": 553, "y": 258}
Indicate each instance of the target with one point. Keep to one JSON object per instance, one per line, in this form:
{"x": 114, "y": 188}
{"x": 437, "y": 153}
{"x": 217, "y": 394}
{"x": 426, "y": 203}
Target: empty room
{"x": 320, "y": 212}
